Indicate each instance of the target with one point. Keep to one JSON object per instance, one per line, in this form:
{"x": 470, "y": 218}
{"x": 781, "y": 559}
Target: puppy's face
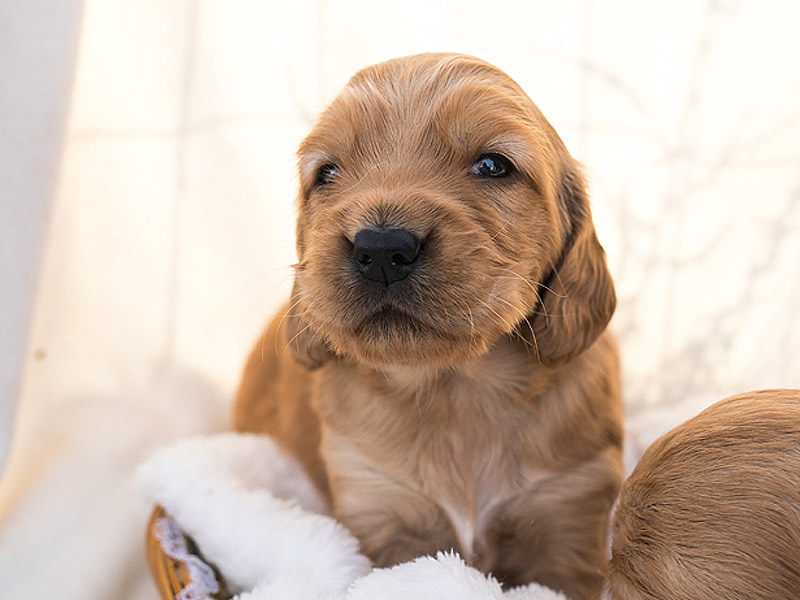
{"x": 435, "y": 208}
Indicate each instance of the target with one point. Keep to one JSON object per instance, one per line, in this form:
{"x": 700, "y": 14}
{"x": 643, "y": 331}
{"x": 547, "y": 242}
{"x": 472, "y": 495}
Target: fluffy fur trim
{"x": 256, "y": 516}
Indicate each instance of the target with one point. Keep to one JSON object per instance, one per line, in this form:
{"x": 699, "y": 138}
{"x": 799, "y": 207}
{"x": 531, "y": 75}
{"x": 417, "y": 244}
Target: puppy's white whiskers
{"x": 509, "y": 326}
{"x": 523, "y": 319}
{"x": 287, "y": 314}
{"x": 298, "y": 334}
{"x": 563, "y": 295}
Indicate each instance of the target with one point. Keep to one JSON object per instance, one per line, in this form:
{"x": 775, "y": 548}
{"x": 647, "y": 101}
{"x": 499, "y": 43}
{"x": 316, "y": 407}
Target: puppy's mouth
{"x": 389, "y": 321}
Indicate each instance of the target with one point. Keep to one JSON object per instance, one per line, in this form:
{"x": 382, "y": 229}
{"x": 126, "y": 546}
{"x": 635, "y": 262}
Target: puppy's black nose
{"x": 385, "y": 255}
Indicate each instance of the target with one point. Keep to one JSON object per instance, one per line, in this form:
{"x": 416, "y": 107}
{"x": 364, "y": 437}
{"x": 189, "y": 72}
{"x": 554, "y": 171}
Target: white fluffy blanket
{"x": 255, "y": 515}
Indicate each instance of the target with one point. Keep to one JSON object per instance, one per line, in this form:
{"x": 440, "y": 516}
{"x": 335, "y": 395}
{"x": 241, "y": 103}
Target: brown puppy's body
{"x": 712, "y": 509}
{"x": 442, "y": 370}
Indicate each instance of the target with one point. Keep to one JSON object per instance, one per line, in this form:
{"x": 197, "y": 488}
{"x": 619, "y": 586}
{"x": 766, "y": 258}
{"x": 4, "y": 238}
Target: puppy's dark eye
{"x": 492, "y": 165}
{"x": 327, "y": 174}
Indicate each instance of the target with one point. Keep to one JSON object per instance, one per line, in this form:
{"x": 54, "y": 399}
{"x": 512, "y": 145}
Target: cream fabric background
{"x": 146, "y": 217}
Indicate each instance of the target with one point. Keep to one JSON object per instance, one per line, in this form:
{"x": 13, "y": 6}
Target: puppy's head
{"x": 439, "y": 211}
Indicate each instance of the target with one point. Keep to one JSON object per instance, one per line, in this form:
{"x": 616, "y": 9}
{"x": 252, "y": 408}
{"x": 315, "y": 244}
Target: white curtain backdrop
{"x": 146, "y": 217}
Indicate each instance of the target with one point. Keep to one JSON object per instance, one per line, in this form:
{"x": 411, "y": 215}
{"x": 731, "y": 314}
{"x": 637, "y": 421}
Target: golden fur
{"x": 475, "y": 404}
{"x": 712, "y": 509}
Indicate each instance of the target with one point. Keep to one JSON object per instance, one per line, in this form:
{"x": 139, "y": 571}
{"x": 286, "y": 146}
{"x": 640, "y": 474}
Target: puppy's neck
{"x": 506, "y": 367}
{"x": 412, "y": 377}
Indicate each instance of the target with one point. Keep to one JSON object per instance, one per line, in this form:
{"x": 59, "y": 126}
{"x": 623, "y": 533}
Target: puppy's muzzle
{"x": 386, "y": 256}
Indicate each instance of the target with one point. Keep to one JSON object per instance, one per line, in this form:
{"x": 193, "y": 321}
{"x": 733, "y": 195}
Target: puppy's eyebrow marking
{"x": 514, "y": 148}
{"x": 312, "y": 161}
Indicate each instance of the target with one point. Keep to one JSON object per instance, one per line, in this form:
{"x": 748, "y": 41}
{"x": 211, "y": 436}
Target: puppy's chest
{"x": 473, "y": 453}
{"x": 467, "y": 445}
{"x": 474, "y": 471}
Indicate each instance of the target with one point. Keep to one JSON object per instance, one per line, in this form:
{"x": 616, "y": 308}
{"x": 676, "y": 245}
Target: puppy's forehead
{"x": 443, "y": 103}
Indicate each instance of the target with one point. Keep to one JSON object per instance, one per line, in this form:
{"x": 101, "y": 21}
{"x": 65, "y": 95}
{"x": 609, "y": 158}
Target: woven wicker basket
{"x": 178, "y": 568}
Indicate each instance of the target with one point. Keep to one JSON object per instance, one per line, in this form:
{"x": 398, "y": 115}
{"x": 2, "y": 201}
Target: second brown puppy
{"x": 443, "y": 370}
{"x": 712, "y": 509}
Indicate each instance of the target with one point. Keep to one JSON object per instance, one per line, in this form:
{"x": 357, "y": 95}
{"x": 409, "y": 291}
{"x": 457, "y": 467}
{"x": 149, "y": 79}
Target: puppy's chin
{"x": 393, "y": 337}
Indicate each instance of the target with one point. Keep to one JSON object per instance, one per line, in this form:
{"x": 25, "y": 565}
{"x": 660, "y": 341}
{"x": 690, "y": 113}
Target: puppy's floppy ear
{"x": 306, "y": 344}
{"x": 577, "y": 297}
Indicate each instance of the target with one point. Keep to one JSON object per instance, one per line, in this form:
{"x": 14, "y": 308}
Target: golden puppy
{"x": 712, "y": 509}
{"x": 443, "y": 369}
